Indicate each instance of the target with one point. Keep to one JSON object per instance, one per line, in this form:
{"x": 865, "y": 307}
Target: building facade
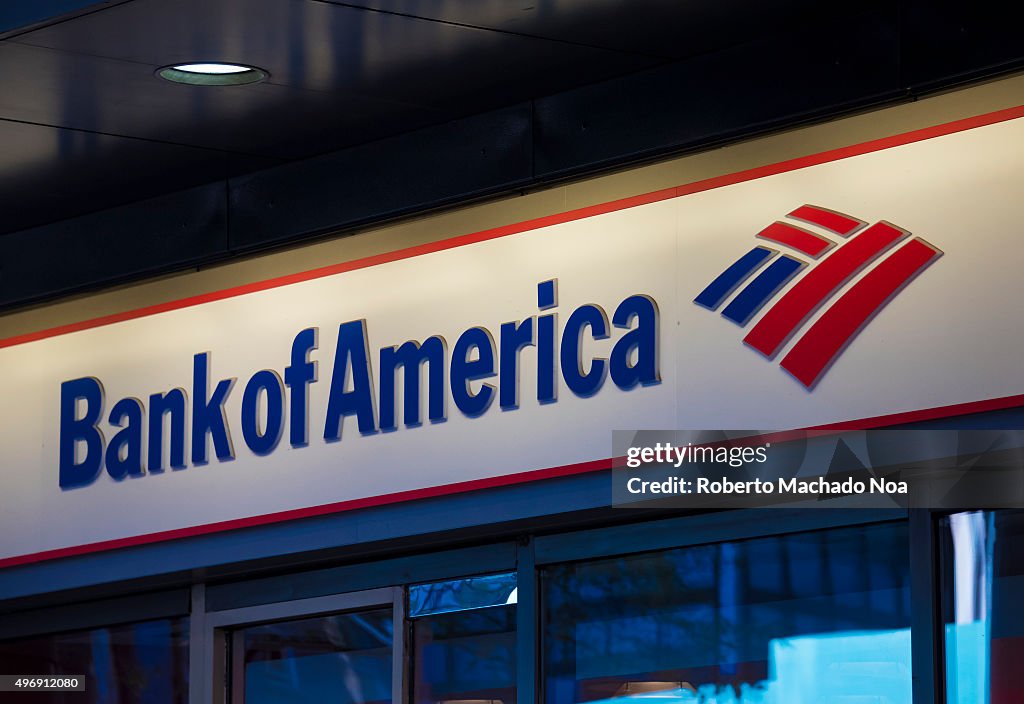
{"x": 381, "y": 466}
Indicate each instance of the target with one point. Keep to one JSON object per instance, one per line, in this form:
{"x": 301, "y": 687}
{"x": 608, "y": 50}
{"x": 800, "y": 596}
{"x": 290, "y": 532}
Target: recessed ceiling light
{"x": 212, "y": 74}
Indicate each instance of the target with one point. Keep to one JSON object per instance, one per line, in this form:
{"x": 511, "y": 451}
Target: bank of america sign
{"x": 821, "y": 250}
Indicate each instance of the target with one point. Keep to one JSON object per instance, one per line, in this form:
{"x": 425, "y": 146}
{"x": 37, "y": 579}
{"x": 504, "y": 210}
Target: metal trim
{"x": 84, "y": 616}
{"x": 700, "y": 529}
{"x": 213, "y": 671}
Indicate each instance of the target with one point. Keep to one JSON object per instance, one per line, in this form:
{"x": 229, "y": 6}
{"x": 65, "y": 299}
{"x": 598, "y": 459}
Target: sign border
{"x": 831, "y": 155}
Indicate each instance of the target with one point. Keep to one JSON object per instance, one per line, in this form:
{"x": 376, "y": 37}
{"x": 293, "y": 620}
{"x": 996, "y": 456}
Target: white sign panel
{"x": 864, "y": 283}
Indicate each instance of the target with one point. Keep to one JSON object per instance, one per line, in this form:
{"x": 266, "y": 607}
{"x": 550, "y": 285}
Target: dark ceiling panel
{"x": 423, "y": 169}
{"x": 777, "y": 80}
{"x": 92, "y": 127}
{"x": 16, "y": 15}
{"x": 352, "y": 65}
{"x": 388, "y": 107}
{"x": 47, "y": 173}
{"x": 167, "y": 232}
{"x": 959, "y": 37}
{"x": 663, "y": 28}
{"x": 304, "y": 43}
{"x": 55, "y": 88}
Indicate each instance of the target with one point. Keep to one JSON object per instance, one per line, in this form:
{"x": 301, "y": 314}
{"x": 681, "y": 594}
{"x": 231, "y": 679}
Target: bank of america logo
{"x": 885, "y": 256}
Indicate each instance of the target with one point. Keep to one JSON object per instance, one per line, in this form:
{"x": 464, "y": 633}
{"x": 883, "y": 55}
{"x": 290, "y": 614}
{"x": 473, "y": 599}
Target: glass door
{"x": 339, "y": 649}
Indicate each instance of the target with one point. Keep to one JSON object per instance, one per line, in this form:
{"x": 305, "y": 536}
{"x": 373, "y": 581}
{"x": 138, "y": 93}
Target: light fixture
{"x": 669, "y": 689}
{"x": 213, "y": 73}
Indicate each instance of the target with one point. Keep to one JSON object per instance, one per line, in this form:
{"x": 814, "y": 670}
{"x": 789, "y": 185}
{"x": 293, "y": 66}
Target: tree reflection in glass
{"x": 794, "y": 618}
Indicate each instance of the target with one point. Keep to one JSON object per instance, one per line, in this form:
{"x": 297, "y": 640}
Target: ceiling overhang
{"x": 375, "y": 109}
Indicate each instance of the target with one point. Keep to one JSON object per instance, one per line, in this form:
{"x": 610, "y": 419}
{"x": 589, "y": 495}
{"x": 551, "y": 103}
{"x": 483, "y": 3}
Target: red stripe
{"x": 959, "y": 409}
{"x": 312, "y": 511}
{"x": 333, "y": 269}
{"x": 847, "y": 316}
{"x": 807, "y": 242}
{"x": 781, "y": 167}
{"x": 783, "y": 319}
{"x": 829, "y": 219}
{"x": 683, "y": 190}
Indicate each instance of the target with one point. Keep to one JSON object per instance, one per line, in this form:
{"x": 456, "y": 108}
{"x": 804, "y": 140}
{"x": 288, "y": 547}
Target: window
{"x": 339, "y": 648}
{"x": 138, "y": 663}
{"x": 464, "y": 636}
{"x": 982, "y": 561}
{"x": 801, "y": 618}
{"x": 342, "y": 658}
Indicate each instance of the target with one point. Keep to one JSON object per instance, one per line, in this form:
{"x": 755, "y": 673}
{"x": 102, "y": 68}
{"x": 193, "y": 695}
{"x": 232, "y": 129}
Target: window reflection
{"x": 139, "y": 663}
{"x": 982, "y": 560}
{"x": 800, "y": 618}
{"x": 462, "y": 594}
{"x": 464, "y": 639}
{"x": 341, "y": 659}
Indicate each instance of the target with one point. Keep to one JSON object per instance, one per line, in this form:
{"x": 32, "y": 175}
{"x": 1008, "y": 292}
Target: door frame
{"x": 210, "y": 637}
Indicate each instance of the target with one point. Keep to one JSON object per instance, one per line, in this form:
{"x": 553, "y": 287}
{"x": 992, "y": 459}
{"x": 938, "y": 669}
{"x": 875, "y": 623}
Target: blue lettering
{"x": 547, "y": 298}
{"x": 124, "y": 453}
{"x": 267, "y": 384}
{"x": 351, "y": 354}
{"x": 580, "y": 381}
{"x": 464, "y": 370}
{"x": 475, "y": 359}
{"x": 643, "y": 339}
{"x": 513, "y": 338}
{"x": 297, "y": 378}
{"x": 175, "y": 403}
{"x": 73, "y": 430}
{"x": 208, "y": 417}
{"x": 411, "y": 356}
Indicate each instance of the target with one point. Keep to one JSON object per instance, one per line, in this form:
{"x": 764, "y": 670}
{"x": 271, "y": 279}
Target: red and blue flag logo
{"x": 883, "y": 255}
